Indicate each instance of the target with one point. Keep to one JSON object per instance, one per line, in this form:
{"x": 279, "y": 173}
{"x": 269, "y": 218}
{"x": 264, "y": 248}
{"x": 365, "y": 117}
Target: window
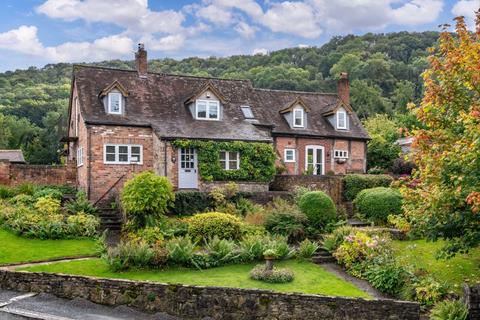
{"x": 298, "y": 117}
{"x": 289, "y": 155}
{"x": 247, "y": 112}
{"x": 341, "y": 154}
{"x": 207, "y": 110}
{"x": 341, "y": 120}
{"x": 123, "y": 154}
{"x": 229, "y": 160}
{"x": 79, "y": 156}
{"x": 115, "y": 103}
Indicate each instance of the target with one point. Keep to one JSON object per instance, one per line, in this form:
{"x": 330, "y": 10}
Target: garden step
{"x": 357, "y": 223}
{"x": 323, "y": 259}
{"x": 323, "y": 253}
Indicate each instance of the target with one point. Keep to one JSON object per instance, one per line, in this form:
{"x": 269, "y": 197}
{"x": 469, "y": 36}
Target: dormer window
{"x": 115, "y": 103}
{"x": 247, "y": 112}
{"x": 341, "y": 120}
{"x": 207, "y": 110}
{"x": 298, "y": 115}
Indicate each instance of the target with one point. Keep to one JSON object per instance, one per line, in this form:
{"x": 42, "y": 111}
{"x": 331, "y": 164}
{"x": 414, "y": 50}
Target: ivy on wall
{"x": 257, "y": 160}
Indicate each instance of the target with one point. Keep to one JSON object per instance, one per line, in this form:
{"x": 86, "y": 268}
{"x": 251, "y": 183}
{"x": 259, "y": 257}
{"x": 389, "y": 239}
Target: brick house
{"x": 123, "y": 121}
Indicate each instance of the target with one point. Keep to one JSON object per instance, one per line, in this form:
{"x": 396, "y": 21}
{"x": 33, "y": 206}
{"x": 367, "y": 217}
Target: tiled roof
{"x": 159, "y": 101}
{"x": 12, "y": 155}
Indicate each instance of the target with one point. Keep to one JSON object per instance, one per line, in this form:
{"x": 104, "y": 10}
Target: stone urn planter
{"x": 269, "y": 256}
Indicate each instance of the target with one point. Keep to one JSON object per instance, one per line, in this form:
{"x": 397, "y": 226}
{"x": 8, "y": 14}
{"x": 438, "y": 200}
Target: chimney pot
{"x": 141, "y": 61}
{"x": 343, "y": 88}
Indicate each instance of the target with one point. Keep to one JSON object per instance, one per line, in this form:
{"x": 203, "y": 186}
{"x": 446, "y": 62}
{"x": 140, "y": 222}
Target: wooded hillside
{"x": 384, "y": 72}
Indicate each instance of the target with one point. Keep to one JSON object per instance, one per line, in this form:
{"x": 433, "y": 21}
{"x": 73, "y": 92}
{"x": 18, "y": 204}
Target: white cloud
{"x": 167, "y": 43}
{"x": 417, "y": 12}
{"x": 467, "y": 9}
{"x": 245, "y": 30}
{"x": 24, "y": 40}
{"x": 216, "y": 14}
{"x": 134, "y": 15}
{"x": 293, "y": 18}
{"x": 260, "y": 51}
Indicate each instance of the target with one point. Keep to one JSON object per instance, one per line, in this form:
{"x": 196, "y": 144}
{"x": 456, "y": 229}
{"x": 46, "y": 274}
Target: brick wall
{"x": 356, "y": 154}
{"x": 195, "y": 302}
{"x": 243, "y": 186}
{"x": 14, "y": 174}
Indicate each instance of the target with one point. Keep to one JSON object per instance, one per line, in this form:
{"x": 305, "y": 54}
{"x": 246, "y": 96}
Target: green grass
{"x": 455, "y": 271}
{"x": 309, "y": 278}
{"x": 14, "y": 249}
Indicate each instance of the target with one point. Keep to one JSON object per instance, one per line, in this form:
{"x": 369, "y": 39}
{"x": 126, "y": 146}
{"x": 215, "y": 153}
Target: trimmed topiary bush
{"x": 318, "y": 207}
{"x": 377, "y": 204}
{"x": 354, "y": 183}
{"x": 146, "y": 197}
{"x": 204, "y": 226}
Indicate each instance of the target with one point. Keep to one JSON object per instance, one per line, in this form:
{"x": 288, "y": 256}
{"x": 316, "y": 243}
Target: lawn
{"x": 15, "y": 249}
{"x": 309, "y": 278}
{"x": 455, "y": 271}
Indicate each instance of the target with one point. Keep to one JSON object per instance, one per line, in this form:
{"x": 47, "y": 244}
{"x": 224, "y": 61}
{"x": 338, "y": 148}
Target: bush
{"x": 6, "y": 192}
{"x": 377, "y": 204}
{"x": 307, "y": 249}
{"x": 26, "y": 188}
{"x": 333, "y": 240}
{"x": 319, "y": 208}
{"x": 386, "y": 276}
{"x": 272, "y": 276}
{"x": 357, "y": 247}
{"x": 449, "y": 310}
{"x": 402, "y": 167}
{"x": 128, "y": 255}
{"x": 22, "y": 200}
{"x": 354, "y": 183}
{"x": 48, "y": 192}
{"x": 180, "y": 251}
{"x": 252, "y": 247}
{"x": 221, "y": 251}
{"x": 208, "y": 225}
{"x": 48, "y": 206}
{"x": 428, "y": 291}
{"x": 289, "y": 223}
{"x": 280, "y": 247}
{"x": 82, "y": 224}
{"x": 145, "y": 197}
{"x": 191, "y": 202}
{"x": 80, "y": 204}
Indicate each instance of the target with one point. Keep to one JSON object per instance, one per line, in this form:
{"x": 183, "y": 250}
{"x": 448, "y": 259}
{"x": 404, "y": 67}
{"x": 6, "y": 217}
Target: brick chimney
{"x": 343, "y": 88}
{"x": 141, "y": 61}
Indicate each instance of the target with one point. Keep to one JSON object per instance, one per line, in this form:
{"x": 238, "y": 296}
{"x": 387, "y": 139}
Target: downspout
{"x": 89, "y": 168}
{"x": 165, "y": 158}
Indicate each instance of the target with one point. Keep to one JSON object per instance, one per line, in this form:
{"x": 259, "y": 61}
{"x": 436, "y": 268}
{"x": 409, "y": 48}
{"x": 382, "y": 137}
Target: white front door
{"x": 315, "y": 160}
{"x": 187, "y": 169}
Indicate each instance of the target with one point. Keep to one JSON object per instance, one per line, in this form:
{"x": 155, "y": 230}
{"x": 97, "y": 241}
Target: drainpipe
{"x": 165, "y": 158}
{"x": 89, "y": 169}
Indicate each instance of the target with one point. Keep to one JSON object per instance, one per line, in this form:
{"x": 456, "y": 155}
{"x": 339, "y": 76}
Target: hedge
{"x": 257, "y": 160}
{"x": 191, "y": 202}
{"x": 354, "y": 183}
{"x": 318, "y": 207}
{"x": 377, "y": 204}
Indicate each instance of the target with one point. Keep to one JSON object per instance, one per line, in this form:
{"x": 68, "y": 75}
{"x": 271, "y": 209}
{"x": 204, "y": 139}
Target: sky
{"x": 38, "y": 32}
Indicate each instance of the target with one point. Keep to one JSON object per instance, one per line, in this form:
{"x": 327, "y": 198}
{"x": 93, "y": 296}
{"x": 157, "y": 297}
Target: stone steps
{"x": 357, "y": 223}
{"x": 323, "y": 256}
{"x": 110, "y": 218}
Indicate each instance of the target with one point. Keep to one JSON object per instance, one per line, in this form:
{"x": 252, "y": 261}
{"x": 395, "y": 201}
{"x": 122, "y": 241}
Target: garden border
{"x": 196, "y": 302}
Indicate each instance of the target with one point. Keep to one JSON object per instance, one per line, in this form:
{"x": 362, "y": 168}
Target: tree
{"x": 367, "y": 99}
{"x": 381, "y": 149}
{"x": 444, "y": 200}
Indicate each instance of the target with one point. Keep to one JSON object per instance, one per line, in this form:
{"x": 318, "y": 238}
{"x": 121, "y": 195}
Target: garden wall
{"x": 193, "y": 302}
{"x": 472, "y": 299}
{"x": 333, "y": 185}
{"x": 15, "y": 174}
{"x": 243, "y": 186}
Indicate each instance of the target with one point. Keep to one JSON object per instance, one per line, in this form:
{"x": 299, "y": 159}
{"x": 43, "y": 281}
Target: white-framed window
{"x": 247, "y": 112}
{"x": 229, "y": 160}
{"x": 122, "y": 154}
{"x": 289, "y": 155}
{"x": 298, "y": 115}
{"x": 115, "y": 103}
{"x": 207, "y": 110}
{"x": 340, "y": 154}
{"x": 79, "y": 156}
{"x": 341, "y": 119}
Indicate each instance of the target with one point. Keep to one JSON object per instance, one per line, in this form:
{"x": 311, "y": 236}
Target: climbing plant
{"x": 257, "y": 160}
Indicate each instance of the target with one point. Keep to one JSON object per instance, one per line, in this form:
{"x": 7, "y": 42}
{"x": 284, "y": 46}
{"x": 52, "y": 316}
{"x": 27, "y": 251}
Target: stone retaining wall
{"x": 15, "y": 173}
{"x": 471, "y": 294}
{"x": 194, "y": 302}
{"x": 243, "y": 186}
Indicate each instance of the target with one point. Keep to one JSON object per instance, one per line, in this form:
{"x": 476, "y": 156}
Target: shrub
{"x": 211, "y": 224}
{"x": 357, "y": 247}
{"x": 400, "y": 166}
{"x": 252, "y": 247}
{"x": 377, "y": 204}
{"x": 428, "y": 291}
{"x": 280, "y": 246}
{"x": 386, "y": 276}
{"x": 354, "y": 183}
{"x": 221, "y": 251}
{"x": 80, "y": 204}
{"x": 128, "y": 255}
{"x": 257, "y": 218}
{"x": 399, "y": 222}
{"x": 191, "y": 202}
{"x": 48, "y": 206}
{"x": 376, "y": 170}
{"x": 23, "y": 200}
{"x": 145, "y": 197}
{"x": 180, "y": 250}
{"x": 82, "y": 224}
{"x": 289, "y": 223}
{"x": 449, "y": 310}
{"x": 25, "y": 188}
{"x": 333, "y": 240}
{"x": 48, "y": 192}
{"x": 307, "y": 249}
{"x": 272, "y": 276}
{"x": 150, "y": 235}
{"x": 6, "y": 192}
{"x": 318, "y": 207}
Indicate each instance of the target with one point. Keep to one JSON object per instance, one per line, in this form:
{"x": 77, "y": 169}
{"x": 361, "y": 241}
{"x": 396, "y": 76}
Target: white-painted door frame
{"x": 316, "y": 161}
{"x": 187, "y": 168}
